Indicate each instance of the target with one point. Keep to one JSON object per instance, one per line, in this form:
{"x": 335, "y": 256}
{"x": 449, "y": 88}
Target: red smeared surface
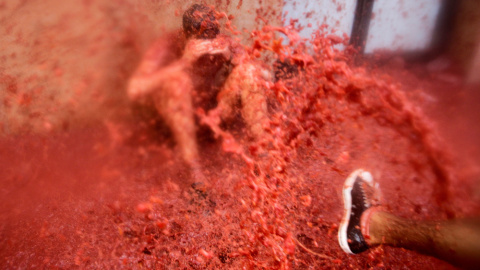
{"x": 88, "y": 198}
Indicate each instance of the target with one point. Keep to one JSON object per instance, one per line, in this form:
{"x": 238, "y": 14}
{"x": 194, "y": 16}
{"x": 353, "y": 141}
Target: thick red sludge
{"x": 271, "y": 203}
{"x": 261, "y": 221}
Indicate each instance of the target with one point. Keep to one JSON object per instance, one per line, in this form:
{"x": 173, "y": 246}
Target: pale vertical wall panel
{"x": 403, "y": 25}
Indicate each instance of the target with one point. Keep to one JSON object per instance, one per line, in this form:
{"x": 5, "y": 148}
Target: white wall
{"x": 396, "y": 24}
{"x": 402, "y": 24}
{"x": 338, "y": 14}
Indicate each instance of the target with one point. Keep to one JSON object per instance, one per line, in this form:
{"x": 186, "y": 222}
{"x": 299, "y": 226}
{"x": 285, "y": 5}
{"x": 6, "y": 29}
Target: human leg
{"x": 359, "y": 194}
{"x": 245, "y": 81}
{"x": 456, "y": 241}
{"x": 227, "y": 98}
{"x": 174, "y": 103}
{"x": 365, "y": 225}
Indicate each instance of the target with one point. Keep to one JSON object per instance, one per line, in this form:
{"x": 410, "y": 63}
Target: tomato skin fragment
{"x": 206, "y": 254}
{"x": 162, "y": 224}
{"x": 144, "y": 208}
{"x": 306, "y": 200}
{"x": 289, "y": 244}
{"x": 337, "y": 261}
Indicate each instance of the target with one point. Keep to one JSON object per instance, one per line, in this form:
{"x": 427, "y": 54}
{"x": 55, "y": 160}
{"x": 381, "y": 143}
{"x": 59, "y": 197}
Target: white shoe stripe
{"x": 347, "y": 200}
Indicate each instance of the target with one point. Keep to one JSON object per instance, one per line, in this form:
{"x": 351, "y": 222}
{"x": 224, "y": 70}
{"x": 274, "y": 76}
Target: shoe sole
{"x": 347, "y": 202}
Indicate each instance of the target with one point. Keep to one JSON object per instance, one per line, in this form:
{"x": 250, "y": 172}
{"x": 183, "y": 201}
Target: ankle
{"x": 365, "y": 221}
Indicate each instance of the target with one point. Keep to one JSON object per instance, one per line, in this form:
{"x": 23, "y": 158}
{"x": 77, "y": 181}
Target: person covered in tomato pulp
{"x": 200, "y": 69}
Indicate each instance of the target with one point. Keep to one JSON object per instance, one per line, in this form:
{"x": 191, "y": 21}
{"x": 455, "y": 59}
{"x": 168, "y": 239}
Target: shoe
{"x": 359, "y": 193}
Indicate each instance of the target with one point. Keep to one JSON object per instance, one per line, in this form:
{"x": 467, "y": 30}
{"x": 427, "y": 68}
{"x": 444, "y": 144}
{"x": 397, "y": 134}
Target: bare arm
{"x": 196, "y": 48}
{"x": 142, "y": 84}
{"x": 148, "y": 74}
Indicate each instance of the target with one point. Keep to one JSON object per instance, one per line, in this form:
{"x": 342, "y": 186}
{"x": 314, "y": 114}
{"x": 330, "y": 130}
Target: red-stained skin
{"x": 210, "y": 76}
{"x": 70, "y": 199}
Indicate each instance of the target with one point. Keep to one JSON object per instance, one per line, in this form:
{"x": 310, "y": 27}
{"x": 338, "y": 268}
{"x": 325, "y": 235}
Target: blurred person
{"x": 208, "y": 72}
{"x": 366, "y": 225}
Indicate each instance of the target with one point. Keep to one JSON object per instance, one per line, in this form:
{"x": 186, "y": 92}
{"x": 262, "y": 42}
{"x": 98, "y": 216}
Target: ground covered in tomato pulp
{"x": 84, "y": 198}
